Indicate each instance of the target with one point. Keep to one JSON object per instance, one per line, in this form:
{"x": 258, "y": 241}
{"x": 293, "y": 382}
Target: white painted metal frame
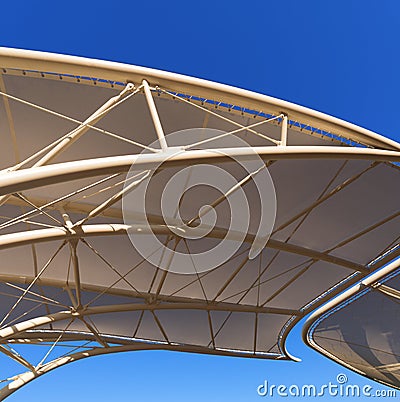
{"x": 16, "y": 179}
{"x": 27, "y": 60}
{"x": 25, "y": 179}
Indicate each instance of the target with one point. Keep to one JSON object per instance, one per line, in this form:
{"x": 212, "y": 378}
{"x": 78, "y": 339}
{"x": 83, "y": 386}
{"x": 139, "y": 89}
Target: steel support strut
{"x": 154, "y": 116}
{"x": 83, "y": 128}
{"x": 284, "y": 129}
{"x": 79, "y": 131}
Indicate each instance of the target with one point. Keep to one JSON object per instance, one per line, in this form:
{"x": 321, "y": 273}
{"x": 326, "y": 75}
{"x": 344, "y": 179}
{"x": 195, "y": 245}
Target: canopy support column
{"x": 154, "y": 115}
{"x": 284, "y": 129}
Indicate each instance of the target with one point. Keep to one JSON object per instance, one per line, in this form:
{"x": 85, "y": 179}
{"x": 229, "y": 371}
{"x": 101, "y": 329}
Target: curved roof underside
{"x": 68, "y": 271}
{"x": 361, "y": 331}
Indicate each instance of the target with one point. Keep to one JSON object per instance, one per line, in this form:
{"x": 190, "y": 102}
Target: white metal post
{"x": 284, "y": 130}
{"x": 154, "y": 116}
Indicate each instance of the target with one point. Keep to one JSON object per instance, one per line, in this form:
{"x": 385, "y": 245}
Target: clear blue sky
{"x": 341, "y": 57}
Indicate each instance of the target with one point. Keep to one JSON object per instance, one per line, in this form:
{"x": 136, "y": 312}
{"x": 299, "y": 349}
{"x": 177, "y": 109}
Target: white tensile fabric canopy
{"x": 70, "y": 130}
{"x": 360, "y": 328}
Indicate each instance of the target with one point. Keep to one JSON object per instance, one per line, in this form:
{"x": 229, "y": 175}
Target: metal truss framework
{"x": 54, "y": 217}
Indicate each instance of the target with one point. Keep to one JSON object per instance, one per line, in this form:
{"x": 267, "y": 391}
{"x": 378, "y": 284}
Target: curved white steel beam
{"x": 12, "y": 182}
{"x": 49, "y": 234}
{"x": 27, "y": 377}
{"x": 13, "y": 331}
{"x": 12, "y": 58}
{"x": 79, "y": 66}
